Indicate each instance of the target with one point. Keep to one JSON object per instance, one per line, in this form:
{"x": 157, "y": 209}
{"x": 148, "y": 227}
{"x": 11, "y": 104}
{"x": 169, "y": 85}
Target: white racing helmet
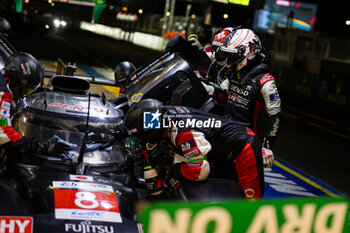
{"x": 219, "y": 41}
{"x": 220, "y": 37}
{"x": 241, "y": 47}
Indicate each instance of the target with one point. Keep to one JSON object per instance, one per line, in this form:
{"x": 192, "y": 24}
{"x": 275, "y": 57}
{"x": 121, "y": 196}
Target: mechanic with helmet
{"x": 122, "y": 73}
{"x": 21, "y": 75}
{"x": 202, "y": 38}
{"x": 218, "y": 72}
{"x": 250, "y": 86}
{"x": 219, "y": 140}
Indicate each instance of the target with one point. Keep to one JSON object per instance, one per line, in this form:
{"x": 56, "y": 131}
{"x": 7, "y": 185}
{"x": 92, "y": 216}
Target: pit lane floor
{"x": 282, "y": 180}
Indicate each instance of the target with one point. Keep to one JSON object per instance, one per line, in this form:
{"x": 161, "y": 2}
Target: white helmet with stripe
{"x": 241, "y": 46}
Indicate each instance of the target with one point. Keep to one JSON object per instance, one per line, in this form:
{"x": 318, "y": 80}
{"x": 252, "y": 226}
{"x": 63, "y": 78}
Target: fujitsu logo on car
{"x": 87, "y": 227}
{"x": 12, "y": 224}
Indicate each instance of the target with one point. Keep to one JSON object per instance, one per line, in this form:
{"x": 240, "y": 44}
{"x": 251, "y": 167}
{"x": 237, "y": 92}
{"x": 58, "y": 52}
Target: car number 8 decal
{"x": 86, "y": 205}
{"x": 86, "y": 200}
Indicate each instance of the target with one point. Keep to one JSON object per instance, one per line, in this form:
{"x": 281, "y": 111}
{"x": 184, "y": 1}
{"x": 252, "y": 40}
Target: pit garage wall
{"x": 139, "y": 38}
{"x": 325, "y": 96}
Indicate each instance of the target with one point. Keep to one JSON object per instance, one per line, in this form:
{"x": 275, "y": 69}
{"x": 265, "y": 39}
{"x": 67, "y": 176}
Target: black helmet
{"x": 122, "y": 71}
{"x": 204, "y": 33}
{"x": 5, "y": 27}
{"x": 174, "y": 43}
{"x": 24, "y": 72}
{"x": 134, "y": 120}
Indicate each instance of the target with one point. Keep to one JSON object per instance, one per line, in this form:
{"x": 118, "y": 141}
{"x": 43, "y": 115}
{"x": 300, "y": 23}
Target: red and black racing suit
{"x": 9, "y": 138}
{"x": 247, "y": 96}
{"x": 222, "y": 141}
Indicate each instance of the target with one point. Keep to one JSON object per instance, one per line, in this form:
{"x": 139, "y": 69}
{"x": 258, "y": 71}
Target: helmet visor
{"x": 234, "y": 58}
{"x": 215, "y": 48}
{"x": 221, "y": 56}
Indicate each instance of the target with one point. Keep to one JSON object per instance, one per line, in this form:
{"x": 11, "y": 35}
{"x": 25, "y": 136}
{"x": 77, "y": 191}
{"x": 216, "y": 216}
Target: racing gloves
{"x": 193, "y": 39}
{"x": 267, "y": 157}
{"x": 56, "y": 146}
{"x": 108, "y": 139}
{"x": 267, "y": 153}
{"x": 119, "y": 132}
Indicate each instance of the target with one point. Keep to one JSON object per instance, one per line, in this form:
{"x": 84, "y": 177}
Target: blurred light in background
{"x": 59, "y": 23}
{"x": 56, "y": 23}
{"x": 140, "y": 11}
{"x": 225, "y": 16}
{"x": 347, "y": 22}
{"x": 193, "y": 16}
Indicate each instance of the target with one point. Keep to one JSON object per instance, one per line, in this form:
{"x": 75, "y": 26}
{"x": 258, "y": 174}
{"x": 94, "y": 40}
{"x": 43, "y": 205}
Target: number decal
{"x": 87, "y": 205}
{"x": 86, "y": 200}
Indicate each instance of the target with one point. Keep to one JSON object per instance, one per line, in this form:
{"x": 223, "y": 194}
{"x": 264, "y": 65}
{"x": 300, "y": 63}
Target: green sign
{"x": 240, "y": 2}
{"x": 281, "y": 216}
{"x": 19, "y": 6}
{"x": 98, "y": 10}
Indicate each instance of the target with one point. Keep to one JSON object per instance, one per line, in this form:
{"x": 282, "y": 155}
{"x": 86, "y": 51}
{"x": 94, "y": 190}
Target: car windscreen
{"x": 93, "y": 154}
{"x": 148, "y": 76}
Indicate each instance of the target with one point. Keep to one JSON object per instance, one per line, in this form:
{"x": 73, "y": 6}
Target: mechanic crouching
{"x": 21, "y": 75}
{"x": 198, "y": 138}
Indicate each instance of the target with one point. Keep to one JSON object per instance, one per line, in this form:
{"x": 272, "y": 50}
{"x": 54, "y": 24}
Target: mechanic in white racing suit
{"x": 21, "y": 75}
{"x": 250, "y": 86}
{"x": 220, "y": 141}
{"x": 218, "y": 71}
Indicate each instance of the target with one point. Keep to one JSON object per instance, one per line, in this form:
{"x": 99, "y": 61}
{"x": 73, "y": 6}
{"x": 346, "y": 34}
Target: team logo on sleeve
{"x": 274, "y": 96}
{"x": 266, "y": 78}
{"x": 189, "y": 149}
{"x": 151, "y": 120}
{"x": 187, "y": 145}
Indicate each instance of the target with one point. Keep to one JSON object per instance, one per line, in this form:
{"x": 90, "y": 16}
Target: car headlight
{"x": 56, "y": 23}
{"x": 59, "y": 23}
{"x": 63, "y": 23}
